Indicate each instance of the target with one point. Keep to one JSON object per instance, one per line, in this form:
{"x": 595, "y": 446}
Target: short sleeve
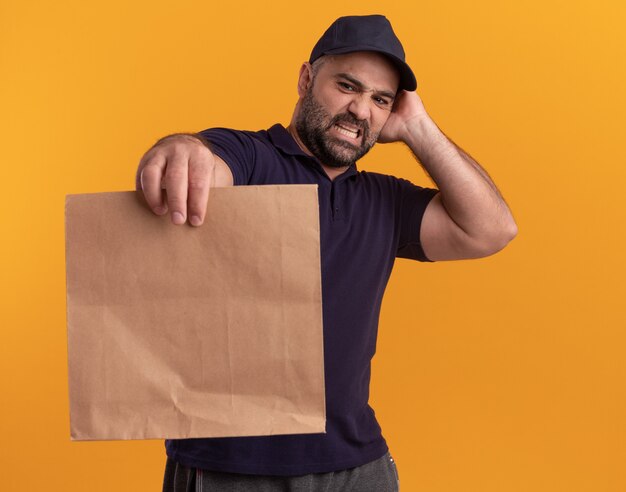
{"x": 236, "y": 149}
{"x": 412, "y": 202}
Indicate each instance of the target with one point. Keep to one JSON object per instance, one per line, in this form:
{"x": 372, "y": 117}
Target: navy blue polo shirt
{"x": 366, "y": 221}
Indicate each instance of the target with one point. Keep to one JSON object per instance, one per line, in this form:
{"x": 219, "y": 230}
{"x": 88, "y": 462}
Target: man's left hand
{"x": 408, "y": 110}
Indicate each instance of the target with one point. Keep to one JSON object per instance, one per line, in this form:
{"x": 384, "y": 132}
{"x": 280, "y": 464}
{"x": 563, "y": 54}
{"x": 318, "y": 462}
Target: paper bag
{"x": 179, "y": 332}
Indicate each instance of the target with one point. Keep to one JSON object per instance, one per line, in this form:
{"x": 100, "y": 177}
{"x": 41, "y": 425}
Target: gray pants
{"x": 380, "y": 475}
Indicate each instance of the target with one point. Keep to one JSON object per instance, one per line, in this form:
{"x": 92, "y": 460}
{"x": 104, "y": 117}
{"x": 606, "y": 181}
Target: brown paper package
{"x": 182, "y": 332}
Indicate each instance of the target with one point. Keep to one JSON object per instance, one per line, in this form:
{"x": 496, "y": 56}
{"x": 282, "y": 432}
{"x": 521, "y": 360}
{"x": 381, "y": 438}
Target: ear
{"x": 305, "y": 78}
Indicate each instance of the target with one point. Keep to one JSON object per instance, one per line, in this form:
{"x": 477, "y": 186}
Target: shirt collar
{"x": 283, "y": 140}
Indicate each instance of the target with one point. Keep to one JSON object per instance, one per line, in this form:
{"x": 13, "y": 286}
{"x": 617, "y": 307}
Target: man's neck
{"x": 331, "y": 172}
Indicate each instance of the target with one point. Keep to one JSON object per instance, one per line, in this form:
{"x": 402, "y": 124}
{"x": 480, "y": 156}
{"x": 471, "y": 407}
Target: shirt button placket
{"x": 334, "y": 201}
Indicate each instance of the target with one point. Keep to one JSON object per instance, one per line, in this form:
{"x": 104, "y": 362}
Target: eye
{"x": 346, "y": 86}
{"x": 381, "y": 101}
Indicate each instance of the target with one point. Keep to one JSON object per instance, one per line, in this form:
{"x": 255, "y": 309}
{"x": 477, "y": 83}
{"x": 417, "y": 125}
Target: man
{"x": 355, "y": 90}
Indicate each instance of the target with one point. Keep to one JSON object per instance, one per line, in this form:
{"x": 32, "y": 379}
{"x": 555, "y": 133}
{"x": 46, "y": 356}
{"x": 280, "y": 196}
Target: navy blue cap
{"x": 365, "y": 33}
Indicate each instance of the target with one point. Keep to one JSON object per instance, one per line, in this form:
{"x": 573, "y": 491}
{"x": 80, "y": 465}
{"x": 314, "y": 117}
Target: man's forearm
{"x": 469, "y": 195}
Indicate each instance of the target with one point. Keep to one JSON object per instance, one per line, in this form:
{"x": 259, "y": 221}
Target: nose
{"x": 359, "y": 107}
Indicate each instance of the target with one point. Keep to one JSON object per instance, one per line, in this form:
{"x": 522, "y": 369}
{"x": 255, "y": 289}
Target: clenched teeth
{"x": 346, "y": 132}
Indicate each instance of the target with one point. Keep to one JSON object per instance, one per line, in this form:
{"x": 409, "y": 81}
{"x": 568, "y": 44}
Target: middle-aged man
{"x": 355, "y": 90}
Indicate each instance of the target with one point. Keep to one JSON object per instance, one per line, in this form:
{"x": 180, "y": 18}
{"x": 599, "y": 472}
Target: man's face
{"x": 346, "y": 106}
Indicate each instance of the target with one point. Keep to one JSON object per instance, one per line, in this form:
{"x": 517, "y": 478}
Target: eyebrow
{"x": 360, "y": 85}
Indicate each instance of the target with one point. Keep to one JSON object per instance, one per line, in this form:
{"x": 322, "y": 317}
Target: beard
{"x": 312, "y": 125}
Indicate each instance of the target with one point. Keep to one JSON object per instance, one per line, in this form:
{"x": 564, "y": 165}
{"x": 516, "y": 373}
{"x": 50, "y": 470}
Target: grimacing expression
{"x": 339, "y": 121}
{"x": 313, "y": 124}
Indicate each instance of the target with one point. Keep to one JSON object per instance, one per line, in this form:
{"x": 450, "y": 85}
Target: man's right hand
{"x": 176, "y": 174}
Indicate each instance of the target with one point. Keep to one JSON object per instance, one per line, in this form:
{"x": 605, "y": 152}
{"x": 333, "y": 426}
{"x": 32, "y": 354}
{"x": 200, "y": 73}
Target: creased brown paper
{"x": 179, "y": 332}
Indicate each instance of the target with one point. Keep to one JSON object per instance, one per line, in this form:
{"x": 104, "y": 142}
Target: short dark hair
{"x": 317, "y": 64}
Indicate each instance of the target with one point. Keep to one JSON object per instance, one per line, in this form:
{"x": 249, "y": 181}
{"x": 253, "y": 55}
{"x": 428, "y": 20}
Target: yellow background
{"x": 498, "y": 374}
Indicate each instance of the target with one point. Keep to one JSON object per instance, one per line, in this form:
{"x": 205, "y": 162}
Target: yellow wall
{"x": 500, "y": 374}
